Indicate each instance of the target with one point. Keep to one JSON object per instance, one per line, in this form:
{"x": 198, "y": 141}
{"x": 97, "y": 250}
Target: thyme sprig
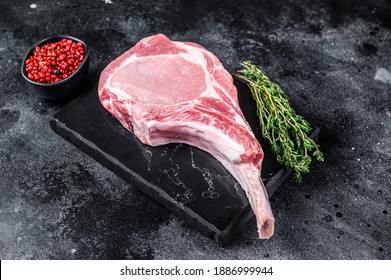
{"x": 286, "y": 131}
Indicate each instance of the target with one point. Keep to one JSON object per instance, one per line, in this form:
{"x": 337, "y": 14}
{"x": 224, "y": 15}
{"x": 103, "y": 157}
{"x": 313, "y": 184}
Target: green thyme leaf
{"x": 285, "y": 130}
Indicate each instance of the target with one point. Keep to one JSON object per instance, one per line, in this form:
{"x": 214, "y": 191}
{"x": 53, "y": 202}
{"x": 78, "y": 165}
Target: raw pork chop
{"x": 179, "y": 92}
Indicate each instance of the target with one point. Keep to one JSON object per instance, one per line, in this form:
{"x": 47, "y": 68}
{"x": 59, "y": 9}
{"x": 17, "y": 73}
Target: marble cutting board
{"x": 186, "y": 180}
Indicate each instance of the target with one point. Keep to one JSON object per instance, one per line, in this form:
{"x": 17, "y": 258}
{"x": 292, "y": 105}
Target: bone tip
{"x": 266, "y": 228}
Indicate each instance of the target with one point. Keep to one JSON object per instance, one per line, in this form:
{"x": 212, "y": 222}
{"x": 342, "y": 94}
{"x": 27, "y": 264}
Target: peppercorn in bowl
{"x": 56, "y": 67}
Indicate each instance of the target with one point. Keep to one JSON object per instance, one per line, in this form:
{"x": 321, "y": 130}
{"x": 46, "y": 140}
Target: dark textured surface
{"x": 333, "y": 59}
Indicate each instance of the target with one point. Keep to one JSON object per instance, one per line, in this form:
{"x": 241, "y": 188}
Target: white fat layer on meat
{"x": 213, "y": 140}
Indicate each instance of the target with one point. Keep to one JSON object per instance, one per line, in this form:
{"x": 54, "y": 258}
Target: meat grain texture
{"x": 179, "y": 92}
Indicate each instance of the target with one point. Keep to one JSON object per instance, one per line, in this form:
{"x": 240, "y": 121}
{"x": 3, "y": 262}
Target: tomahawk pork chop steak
{"x": 179, "y": 92}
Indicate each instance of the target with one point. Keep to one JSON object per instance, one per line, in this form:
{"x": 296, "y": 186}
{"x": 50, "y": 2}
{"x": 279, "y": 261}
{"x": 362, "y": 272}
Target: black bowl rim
{"x": 53, "y": 38}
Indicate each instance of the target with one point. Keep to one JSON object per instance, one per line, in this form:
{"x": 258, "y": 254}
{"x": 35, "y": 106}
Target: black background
{"x": 332, "y": 58}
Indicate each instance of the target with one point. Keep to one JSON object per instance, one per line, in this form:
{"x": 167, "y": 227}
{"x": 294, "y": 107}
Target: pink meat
{"x": 179, "y": 92}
